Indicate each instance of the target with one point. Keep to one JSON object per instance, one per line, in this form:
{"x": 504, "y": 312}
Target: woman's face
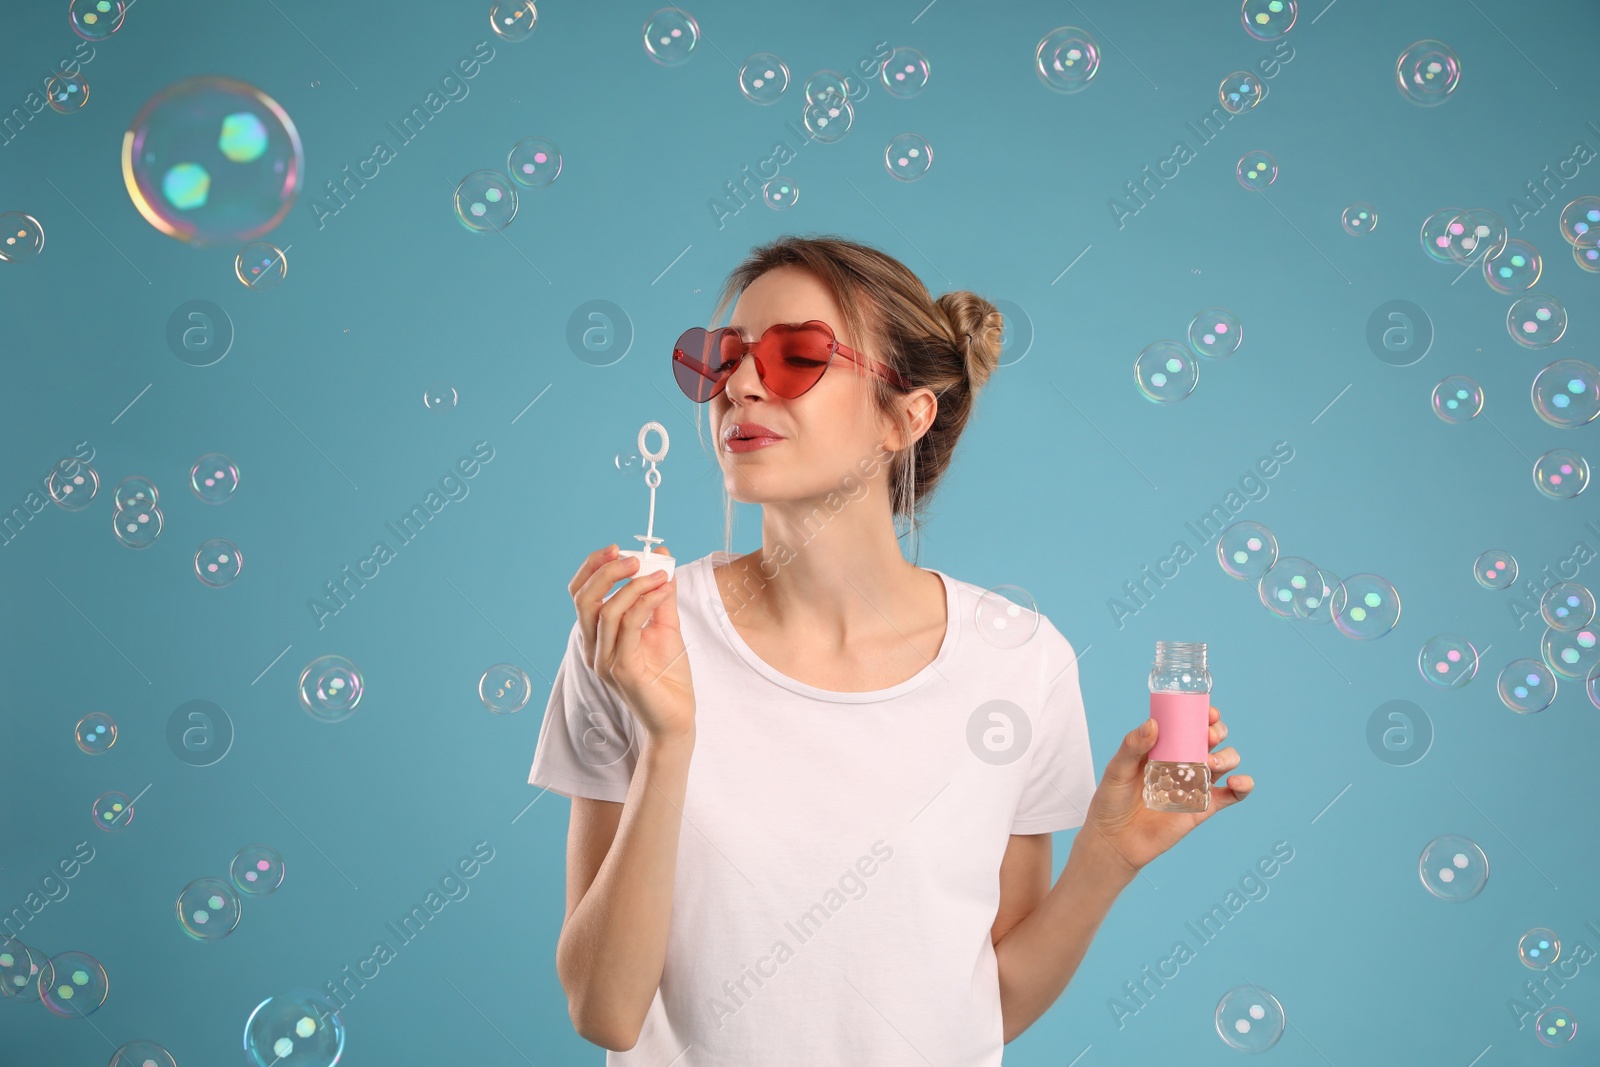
{"x": 827, "y": 432}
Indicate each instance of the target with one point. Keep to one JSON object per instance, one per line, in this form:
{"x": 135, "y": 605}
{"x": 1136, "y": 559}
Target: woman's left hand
{"x": 1134, "y": 834}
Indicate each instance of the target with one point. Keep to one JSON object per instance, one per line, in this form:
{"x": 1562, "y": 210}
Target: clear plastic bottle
{"x": 1178, "y": 774}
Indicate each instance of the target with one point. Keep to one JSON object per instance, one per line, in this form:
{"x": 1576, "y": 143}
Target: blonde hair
{"x": 950, "y": 345}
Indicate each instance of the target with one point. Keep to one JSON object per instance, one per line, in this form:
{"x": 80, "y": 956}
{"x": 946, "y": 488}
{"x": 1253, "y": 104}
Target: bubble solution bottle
{"x": 1178, "y": 776}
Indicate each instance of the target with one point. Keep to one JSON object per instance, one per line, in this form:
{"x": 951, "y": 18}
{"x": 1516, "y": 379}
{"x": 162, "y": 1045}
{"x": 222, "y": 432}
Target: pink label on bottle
{"x": 1183, "y": 727}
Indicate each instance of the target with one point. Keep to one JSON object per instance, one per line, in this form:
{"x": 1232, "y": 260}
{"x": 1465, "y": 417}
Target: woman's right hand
{"x": 646, "y": 666}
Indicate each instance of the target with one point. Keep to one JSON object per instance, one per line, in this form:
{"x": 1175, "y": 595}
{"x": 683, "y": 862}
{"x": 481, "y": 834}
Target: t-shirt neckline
{"x": 708, "y": 588}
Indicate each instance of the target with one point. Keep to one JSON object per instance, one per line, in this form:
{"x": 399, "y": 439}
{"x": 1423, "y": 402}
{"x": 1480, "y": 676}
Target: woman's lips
{"x": 750, "y": 444}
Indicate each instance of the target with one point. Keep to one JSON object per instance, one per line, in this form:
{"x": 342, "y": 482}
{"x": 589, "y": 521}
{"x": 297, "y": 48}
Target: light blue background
{"x": 393, "y": 294}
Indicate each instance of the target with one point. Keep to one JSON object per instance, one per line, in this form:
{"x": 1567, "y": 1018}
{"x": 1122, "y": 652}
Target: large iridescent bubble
{"x": 212, "y": 160}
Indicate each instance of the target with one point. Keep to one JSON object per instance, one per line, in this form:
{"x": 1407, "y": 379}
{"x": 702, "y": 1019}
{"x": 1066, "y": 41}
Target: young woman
{"x": 829, "y": 843}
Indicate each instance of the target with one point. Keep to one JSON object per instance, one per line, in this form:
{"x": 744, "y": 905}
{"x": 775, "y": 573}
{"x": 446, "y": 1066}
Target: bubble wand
{"x": 651, "y": 561}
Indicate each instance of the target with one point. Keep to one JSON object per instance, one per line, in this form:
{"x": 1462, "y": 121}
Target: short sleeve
{"x": 1061, "y": 778}
{"x": 586, "y": 745}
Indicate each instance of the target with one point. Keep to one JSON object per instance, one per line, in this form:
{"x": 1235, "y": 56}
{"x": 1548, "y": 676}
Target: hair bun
{"x": 976, "y": 327}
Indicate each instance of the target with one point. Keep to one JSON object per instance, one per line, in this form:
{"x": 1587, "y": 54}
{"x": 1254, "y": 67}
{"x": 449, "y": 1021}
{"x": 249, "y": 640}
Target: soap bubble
{"x": 95, "y": 20}
{"x": 908, "y": 157}
{"x": 1215, "y": 333}
{"x": 764, "y": 78}
{"x": 1427, "y": 72}
{"x": 1240, "y": 91}
{"x": 1515, "y": 267}
{"x": 1567, "y": 393}
{"x": 1474, "y": 234}
{"x": 1560, "y": 473}
{"x": 828, "y": 85}
{"x": 1067, "y": 59}
{"x": 211, "y": 160}
{"x": 133, "y": 490}
{"x": 1567, "y": 606}
{"x": 112, "y": 811}
{"x": 1587, "y": 257}
{"x": 217, "y": 563}
{"x": 1580, "y": 221}
{"x": 1006, "y": 616}
{"x": 1165, "y": 372}
{"x": 1539, "y": 948}
{"x": 1438, "y": 233}
{"x": 66, "y": 93}
{"x": 1314, "y": 603}
{"x": 1555, "y": 1026}
{"x": 780, "y": 194}
{"x": 486, "y": 200}
{"x": 504, "y": 688}
{"x": 298, "y": 1028}
{"x": 261, "y": 266}
{"x": 23, "y": 971}
{"x": 138, "y": 526}
{"x": 257, "y": 870}
{"x": 142, "y": 1053}
{"x": 330, "y": 688}
{"x": 72, "y": 484}
{"x": 1495, "y": 569}
{"x": 829, "y": 117}
{"x": 1249, "y": 1019}
{"x": 905, "y": 73}
{"x": 1359, "y": 218}
{"x": 1286, "y": 579}
{"x": 214, "y": 478}
{"x": 513, "y": 20}
{"x": 95, "y": 733}
{"x": 670, "y": 35}
{"x": 1246, "y": 550}
{"x": 1453, "y": 867}
{"x": 534, "y": 162}
{"x": 77, "y": 985}
{"x": 209, "y": 909}
{"x": 1457, "y": 399}
{"x": 1536, "y": 320}
{"x": 1365, "y": 607}
{"x": 1526, "y": 686}
{"x": 1448, "y": 661}
{"x": 1267, "y": 20}
{"x": 21, "y": 237}
{"x": 1570, "y": 653}
{"x": 440, "y": 396}
{"x": 1256, "y": 170}
{"x": 1591, "y": 685}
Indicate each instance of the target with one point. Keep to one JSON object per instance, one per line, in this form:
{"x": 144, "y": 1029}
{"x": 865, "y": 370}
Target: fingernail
{"x": 1147, "y": 727}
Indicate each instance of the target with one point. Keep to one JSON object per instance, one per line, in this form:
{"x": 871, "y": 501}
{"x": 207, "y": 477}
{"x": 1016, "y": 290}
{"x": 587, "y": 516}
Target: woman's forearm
{"x": 613, "y": 948}
{"x": 1039, "y": 956}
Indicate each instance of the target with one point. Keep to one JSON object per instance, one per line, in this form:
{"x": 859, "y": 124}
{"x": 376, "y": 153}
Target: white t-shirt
{"x": 839, "y": 859}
